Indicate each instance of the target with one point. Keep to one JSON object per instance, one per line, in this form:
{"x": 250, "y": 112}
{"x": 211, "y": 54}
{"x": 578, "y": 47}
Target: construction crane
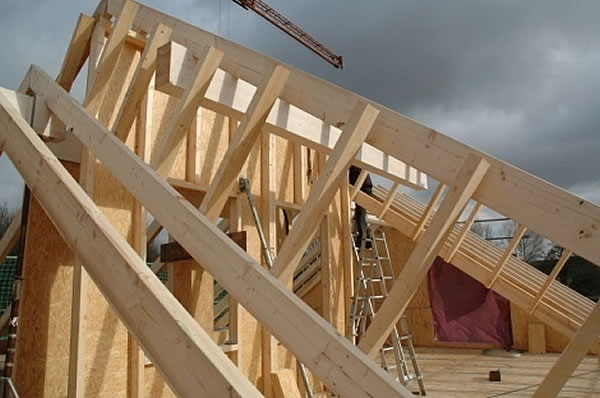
{"x": 287, "y": 26}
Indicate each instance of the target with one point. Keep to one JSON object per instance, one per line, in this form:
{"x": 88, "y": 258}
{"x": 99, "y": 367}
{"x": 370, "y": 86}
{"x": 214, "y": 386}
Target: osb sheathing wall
{"x": 44, "y": 327}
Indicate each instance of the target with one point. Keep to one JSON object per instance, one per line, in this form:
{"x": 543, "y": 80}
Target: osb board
{"x": 45, "y": 315}
{"x": 420, "y": 321}
{"x": 154, "y": 385}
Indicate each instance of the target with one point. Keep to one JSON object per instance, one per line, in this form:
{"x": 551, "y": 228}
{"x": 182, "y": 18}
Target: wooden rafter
{"x": 243, "y": 141}
{"x": 323, "y": 191}
{"x": 506, "y": 255}
{"x": 164, "y": 323}
{"x": 186, "y": 110}
{"x": 428, "y": 210}
{"x": 555, "y": 271}
{"x": 463, "y": 233}
{"x": 231, "y": 96}
{"x": 330, "y": 356}
{"x": 505, "y": 189}
{"x": 424, "y": 253}
{"x": 77, "y": 52}
{"x": 138, "y": 85}
{"x": 571, "y": 357}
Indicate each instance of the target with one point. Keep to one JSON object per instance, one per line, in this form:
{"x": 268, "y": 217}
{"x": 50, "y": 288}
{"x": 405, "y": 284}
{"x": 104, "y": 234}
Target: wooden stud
{"x": 164, "y": 322}
{"x": 555, "y": 271}
{"x": 235, "y": 312}
{"x": 423, "y": 254}
{"x": 11, "y": 235}
{"x": 333, "y": 359}
{"x": 578, "y": 347}
{"x": 186, "y": 110}
{"x": 463, "y": 233}
{"x": 323, "y": 191}
{"x": 327, "y": 283}
{"x": 242, "y": 142}
{"x": 428, "y": 210}
{"x": 138, "y": 86}
{"x": 192, "y": 163}
{"x": 268, "y": 186}
{"x": 77, "y": 52}
{"x": 299, "y": 174}
{"x": 87, "y": 164}
{"x": 389, "y": 199}
{"x": 506, "y": 255}
{"x": 348, "y": 254}
{"x": 110, "y": 55}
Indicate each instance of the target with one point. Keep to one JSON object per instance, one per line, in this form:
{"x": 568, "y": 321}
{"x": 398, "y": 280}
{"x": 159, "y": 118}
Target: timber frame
{"x": 72, "y": 155}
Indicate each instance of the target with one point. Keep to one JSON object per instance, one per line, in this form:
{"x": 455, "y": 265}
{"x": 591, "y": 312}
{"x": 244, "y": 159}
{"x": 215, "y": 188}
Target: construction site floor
{"x": 465, "y": 372}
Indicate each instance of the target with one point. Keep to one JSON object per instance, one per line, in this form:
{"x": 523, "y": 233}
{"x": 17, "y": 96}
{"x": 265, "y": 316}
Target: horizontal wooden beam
{"x": 164, "y": 323}
{"x": 331, "y": 357}
{"x": 231, "y": 96}
{"x": 172, "y": 252}
{"x": 506, "y": 189}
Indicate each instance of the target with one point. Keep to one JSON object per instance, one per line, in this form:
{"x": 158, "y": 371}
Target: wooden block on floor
{"x": 173, "y": 252}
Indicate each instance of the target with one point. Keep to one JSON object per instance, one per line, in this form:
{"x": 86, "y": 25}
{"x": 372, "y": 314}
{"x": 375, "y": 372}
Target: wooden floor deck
{"x": 464, "y": 373}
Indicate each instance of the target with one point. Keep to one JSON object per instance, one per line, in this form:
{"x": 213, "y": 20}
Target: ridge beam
{"x": 330, "y": 356}
{"x": 231, "y": 96}
{"x": 243, "y": 141}
{"x": 424, "y": 253}
{"x": 323, "y": 191}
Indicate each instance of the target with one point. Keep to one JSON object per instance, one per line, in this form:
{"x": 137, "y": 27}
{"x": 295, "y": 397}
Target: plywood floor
{"x": 464, "y": 373}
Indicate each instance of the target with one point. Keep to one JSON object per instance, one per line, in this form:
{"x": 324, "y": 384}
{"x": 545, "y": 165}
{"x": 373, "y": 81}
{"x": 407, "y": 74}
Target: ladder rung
{"x": 371, "y": 298}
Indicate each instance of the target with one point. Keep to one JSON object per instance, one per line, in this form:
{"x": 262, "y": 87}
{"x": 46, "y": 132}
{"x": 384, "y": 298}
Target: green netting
{"x": 7, "y": 275}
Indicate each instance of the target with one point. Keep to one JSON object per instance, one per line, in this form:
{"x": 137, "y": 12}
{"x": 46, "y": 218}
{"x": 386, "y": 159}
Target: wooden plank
{"x": 388, "y": 200}
{"x": 327, "y": 283}
{"x": 268, "y": 188}
{"x": 192, "y": 161}
{"x": 110, "y": 54}
{"x": 348, "y": 254}
{"x": 423, "y": 254}
{"x": 463, "y": 233}
{"x": 555, "y": 271}
{"x": 186, "y": 110}
{"x": 314, "y": 342}
{"x": 138, "y": 86}
{"x": 175, "y": 343}
{"x": 506, "y": 255}
{"x": 299, "y": 173}
{"x": 359, "y": 182}
{"x": 11, "y": 235}
{"x": 231, "y": 96}
{"x": 428, "y": 210}
{"x": 242, "y": 142}
{"x": 506, "y": 189}
{"x": 77, "y": 51}
{"x": 323, "y": 191}
{"x": 571, "y": 357}
{"x": 173, "y": 252}
{"x": 285, "y": 385}
{"x": 536, "y": 338}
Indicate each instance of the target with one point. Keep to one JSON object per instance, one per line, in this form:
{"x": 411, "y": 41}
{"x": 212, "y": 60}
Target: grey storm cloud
{"x": 518, "y": 80}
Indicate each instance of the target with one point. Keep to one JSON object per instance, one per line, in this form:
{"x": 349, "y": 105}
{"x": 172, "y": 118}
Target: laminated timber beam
{"x": 423, "y": 254}
{"x": 77, "y": 52}
{"x": 506, "y": 189}
{"x": 243, "y": 140}
{"x": 323, "y": 191}
{"x": 231, "y": 97}
{"x": 332, "y": 358}
{"x": 571, "y": 357}
{"x": 171, "y": 337}
{"x": 138, "y": 86}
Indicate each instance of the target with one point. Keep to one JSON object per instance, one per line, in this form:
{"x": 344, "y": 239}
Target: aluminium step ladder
{"x": 374, "y": 277}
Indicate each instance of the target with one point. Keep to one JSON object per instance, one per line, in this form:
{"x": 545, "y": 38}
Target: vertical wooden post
{"x": 348, "y": 256}
{"x": 76, "y": 385}
{"x": 326, "y": 272}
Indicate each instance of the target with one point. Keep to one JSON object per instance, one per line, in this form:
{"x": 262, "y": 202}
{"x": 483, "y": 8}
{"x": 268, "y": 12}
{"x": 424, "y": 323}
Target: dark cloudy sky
{"x": 517, "y": 79}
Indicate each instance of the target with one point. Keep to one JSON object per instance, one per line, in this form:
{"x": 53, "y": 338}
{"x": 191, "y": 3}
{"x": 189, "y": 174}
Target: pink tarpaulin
{"x": 464, "y": 311}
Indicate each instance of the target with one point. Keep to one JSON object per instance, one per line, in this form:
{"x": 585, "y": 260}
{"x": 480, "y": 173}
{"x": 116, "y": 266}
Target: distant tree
{"x": 531, "y": 247}
{"x": 555, "y": 252}
{"x": 483, "y": 229}
{"x": 6, "y": 216}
